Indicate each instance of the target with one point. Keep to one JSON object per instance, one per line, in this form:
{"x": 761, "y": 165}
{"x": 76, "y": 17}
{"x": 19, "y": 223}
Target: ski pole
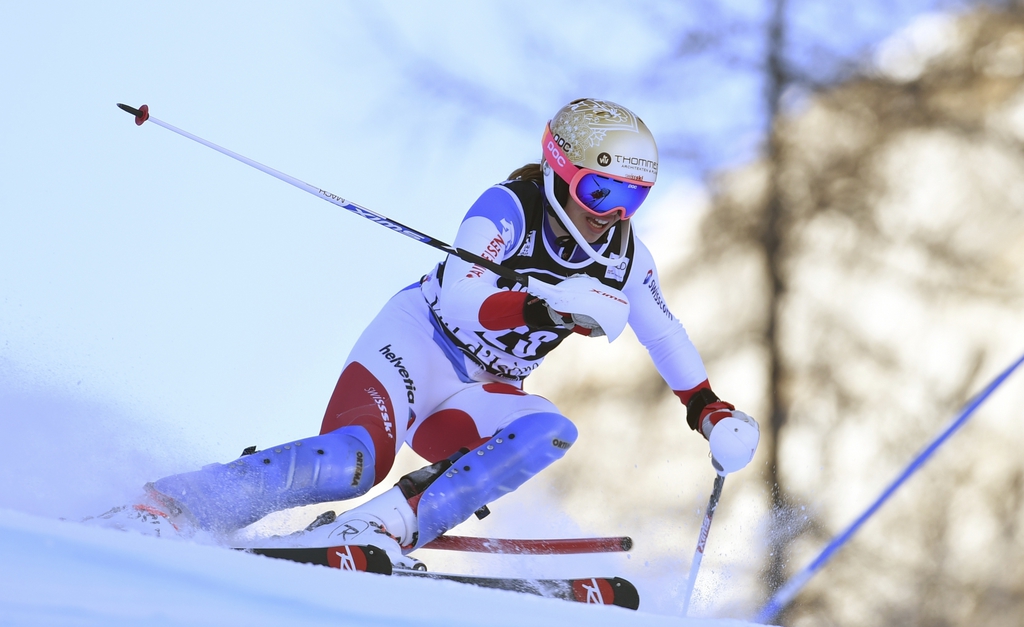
{"x": 142, "y": 115}
{"x": 702, "y": 540}
{"x": 787, "y": 592}
{"x": 615, "y": 313}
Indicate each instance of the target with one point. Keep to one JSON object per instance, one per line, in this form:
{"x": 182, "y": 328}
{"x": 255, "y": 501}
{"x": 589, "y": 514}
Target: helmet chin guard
{"x": 549, "y": 193}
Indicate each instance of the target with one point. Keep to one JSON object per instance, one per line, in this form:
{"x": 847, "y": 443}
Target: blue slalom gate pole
{"x": 785, "y": 594}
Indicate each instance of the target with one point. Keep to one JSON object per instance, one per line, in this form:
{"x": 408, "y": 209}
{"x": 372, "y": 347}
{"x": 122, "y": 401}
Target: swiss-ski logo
{"x": 382, "y": 407}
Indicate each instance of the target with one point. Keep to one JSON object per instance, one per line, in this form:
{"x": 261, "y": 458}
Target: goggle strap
{"x": 624, "y": 242}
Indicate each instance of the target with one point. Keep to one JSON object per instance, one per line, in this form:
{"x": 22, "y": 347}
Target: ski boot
{"x": 223, "y": 498}
{"x": 426, "y": 503}
{"x": 153, "y": 515}
{"x": 386, "y": 522}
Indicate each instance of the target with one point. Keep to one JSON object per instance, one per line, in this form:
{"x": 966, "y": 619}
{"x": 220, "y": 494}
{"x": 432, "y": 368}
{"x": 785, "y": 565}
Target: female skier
{"x": 441, "y": 367}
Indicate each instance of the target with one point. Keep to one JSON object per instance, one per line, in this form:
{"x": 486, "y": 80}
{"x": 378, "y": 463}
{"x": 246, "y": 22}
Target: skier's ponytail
{"x": 529, "y": 172}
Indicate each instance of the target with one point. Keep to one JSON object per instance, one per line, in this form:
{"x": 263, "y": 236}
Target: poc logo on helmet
{"x": 556, "y": 154}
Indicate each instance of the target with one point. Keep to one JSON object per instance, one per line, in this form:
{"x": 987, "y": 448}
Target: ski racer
{"x": 441, "y": 367}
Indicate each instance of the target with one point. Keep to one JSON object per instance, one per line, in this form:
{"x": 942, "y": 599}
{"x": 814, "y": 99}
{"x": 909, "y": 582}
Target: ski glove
{"x": 733, "y": 440}
{"x": 732, "y": 434}
{"x": 540, "y": 315}
{"x": 581, "y": 304}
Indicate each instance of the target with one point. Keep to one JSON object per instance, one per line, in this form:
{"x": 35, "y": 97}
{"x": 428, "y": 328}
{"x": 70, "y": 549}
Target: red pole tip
{"x": 141, "y": 114}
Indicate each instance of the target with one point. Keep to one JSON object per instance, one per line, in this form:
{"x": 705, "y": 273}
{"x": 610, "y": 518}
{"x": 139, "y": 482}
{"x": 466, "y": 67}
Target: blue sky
{"x": 145, "y": 276}
{"x": 142, "y": 267}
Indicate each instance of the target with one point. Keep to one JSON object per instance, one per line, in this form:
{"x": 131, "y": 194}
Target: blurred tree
{"x": 869, "y": 262}
{"x": 903, "y": 189}
{"x": 852, "y": 274}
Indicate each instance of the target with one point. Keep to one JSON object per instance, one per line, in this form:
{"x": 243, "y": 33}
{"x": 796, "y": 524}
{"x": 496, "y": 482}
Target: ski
{"x": 356, "y": 557}
{"x": 556, "y": 546}
{"x": 597, "y": 590}
{"x": 368, "y": 558}
{"x": 531, "y": 546}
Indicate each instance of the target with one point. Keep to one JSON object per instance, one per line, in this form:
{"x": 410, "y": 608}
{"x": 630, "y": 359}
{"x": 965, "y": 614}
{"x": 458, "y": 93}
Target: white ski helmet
{"x": 603, "y": 157}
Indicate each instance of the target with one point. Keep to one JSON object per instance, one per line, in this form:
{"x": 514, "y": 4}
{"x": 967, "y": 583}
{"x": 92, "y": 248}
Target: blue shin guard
{"x": 225, "y": 497}
{"x": 497, "y": 467}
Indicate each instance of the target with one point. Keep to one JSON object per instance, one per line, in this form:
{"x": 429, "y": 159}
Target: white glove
{"x": 583, "y": 301}
{"x": 577, "y": 323}
{"x": 733, "y": 440}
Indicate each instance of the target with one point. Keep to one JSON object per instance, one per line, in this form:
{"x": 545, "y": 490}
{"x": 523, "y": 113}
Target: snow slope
{"x": 69, "y": 574}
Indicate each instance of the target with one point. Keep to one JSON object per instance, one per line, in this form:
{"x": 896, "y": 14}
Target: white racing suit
{"x": 441, "y": 368}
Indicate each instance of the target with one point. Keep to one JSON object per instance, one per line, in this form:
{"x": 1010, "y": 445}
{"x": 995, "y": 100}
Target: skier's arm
{"x": 732, "y": 434}
{"x": 671, "y": 350}
{"x": 472, "y": 299}
{"x": 492, "y": 229}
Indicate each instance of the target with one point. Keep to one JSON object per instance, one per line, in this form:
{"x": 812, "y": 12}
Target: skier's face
{"x": 590, "y": 226}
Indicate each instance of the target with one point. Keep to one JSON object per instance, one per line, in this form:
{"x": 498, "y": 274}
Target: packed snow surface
{"x": 69, "y": 574}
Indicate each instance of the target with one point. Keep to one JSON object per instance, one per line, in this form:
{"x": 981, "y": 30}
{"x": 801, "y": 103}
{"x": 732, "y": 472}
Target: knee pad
{"x": 225, "y": 497}
{"x": 497, "y": 467}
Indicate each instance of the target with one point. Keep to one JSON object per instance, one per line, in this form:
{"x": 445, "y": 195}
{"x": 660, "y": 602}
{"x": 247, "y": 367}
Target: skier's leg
{"x": 495, "y": 468}
{"x": 364, "y": 424}
{"x": 471, "y": 416}
{"x": 362, "y": 400}
{"x": 395, "y": 372}
{"x": 531, "y": 435}
{"x": 225, "y": 497}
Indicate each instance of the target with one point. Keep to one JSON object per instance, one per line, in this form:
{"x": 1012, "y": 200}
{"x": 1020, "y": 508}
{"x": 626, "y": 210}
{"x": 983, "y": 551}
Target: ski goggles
{"x": 599, "y": 193}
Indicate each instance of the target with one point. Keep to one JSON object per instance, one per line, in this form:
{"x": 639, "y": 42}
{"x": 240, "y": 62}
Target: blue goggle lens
{"x": 602, "y": 195}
